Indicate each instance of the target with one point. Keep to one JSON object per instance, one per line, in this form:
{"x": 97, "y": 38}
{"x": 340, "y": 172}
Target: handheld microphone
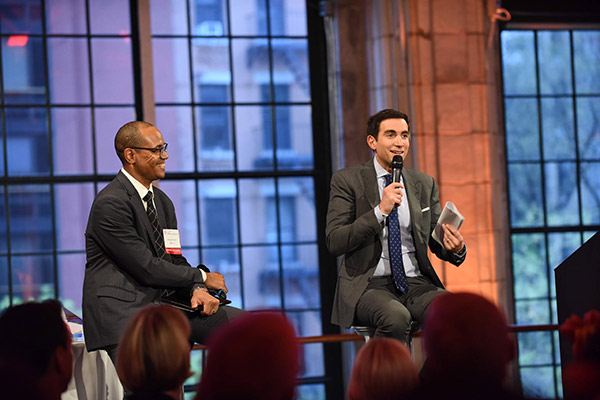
{"x": 397, "y": 164}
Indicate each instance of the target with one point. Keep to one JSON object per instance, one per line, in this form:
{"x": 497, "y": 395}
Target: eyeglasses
{"x": 161, "y": 151}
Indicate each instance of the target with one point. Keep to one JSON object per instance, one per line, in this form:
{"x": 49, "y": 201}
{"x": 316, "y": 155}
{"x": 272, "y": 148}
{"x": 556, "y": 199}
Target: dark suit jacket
{"x": 123, "y": 272}
{"x": 353, "y": 231}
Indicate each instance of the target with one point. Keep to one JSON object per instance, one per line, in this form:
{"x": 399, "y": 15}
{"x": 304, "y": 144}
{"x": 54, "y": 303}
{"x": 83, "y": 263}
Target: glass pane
{"x": 586, "y": 49}
{"x": 301, "y": 276}
{"x": 535, "y": 348}
{"x": 538, "y": 382}
{"x": 72, "y": 206}
{"x": 260, "y": 274}
{"x": 183, "y": 195}
{"x": 214, "y": 139}
{"x": 71, "y": 270}
{"x": 30, "y": 214}
{"x": 4, "y": 289}
{"x": 18, "y": 16}
{"x": 308, "y": 323}
{"x": 562, "y": 200}
{"x": 529, "y": 266}
{"x": 311, "y": 392}
{"x": 250, "y": 69}
{"x": 258, "y": 211}
{"x": 65, "y": 17}
{"x": 68, "y": 71}
{"x": 212, "y": 76}
{"x": 3, "y": 228}
{"x": 253, "y": 132}
{"x": 554, "y": 57}
{"x": 109, "y": 17}
{"x": 288, "y": 18}
{"x": 294, "y": 137}
{"x": 33, "y": 278}
{"x": 518, "y": 62}
{"x": 590, "y": 192}
{"x": 209, "y": 17}
{"x": 560, "y": 246}
{"x": 525, "y": 190}
{"x": 113, "y": 73}
{"x": 24, "y": 75}
{"x": 290, "y": 68}
{"x": 171, "y": 63}
{"x": 72, "y": 141}
{"x": 248, "y": 18}
{"x": 532, "y": 312}
{"x": 175, "y": 124}
{"x": 2, "y": 171}
{"x": 226, "y": 261}
{"x": 558, "y": 128}
{"x": 108, "y": 120}
{"x": 218, "y": 212}
{"x": 588, "y": 110}
{"x": 27, "y": 141}
{"x": 522, "y": 129}
{"x": 297, "y": 209}
{"x": 168, "y": 17}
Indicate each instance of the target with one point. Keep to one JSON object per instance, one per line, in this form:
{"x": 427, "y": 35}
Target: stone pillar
{"x": 454, "y": 139}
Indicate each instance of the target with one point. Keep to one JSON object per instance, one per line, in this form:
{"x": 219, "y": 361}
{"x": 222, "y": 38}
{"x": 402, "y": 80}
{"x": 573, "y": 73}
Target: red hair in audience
{"x": 467, "y": 343}
{"x": 383, "y": 370}
{"x": 253, "y": 357}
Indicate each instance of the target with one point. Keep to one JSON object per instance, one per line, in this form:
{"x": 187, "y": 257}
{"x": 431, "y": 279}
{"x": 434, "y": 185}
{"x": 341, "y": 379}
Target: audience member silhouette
{"x": 253, "y": 357}
{"x": 36, "y": 361}
{"x": 383, "y": 369}
{"x": 468, "y": 348}
{"x": 581, "y": 376}
{"x": 153, "y": 357}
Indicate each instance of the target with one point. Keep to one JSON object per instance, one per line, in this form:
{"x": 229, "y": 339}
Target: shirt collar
{"x": 139, "y": 187}
{"x": 379, "y": 170}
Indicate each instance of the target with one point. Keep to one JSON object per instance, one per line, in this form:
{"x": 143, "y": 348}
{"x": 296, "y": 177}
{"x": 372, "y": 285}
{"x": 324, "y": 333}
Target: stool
{"x": 366, "y": 332}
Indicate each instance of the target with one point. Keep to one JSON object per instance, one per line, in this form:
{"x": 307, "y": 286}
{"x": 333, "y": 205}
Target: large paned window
{"x": 551, "y": 90}
{"x": 232, "y": 97}
{"x": 66, "y": 86}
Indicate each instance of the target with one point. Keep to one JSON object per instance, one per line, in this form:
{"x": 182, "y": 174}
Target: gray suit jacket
{"x": 353, "y": 231}
{"x": 123, "y": 272}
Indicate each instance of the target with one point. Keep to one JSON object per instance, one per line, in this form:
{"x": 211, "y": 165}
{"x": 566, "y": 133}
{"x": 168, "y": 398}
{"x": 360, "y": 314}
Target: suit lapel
{"x": 138, "y": 207}
{"x": 369, "y": 178}
{"x": 413, "y": 195}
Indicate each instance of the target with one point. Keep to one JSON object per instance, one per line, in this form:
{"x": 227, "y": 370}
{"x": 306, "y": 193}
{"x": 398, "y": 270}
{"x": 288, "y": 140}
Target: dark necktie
{"x": 395, "y": 246}
{"x": 153, "y": 217}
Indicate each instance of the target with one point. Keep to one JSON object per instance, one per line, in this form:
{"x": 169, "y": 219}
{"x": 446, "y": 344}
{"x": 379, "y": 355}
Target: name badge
{"x": 172, "y": 242}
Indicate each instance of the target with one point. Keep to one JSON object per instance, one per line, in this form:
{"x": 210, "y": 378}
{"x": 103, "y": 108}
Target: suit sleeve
{"x": 435, "y": 247}
{"x": 346, "y": 230}
{"x": 114, "y": 231}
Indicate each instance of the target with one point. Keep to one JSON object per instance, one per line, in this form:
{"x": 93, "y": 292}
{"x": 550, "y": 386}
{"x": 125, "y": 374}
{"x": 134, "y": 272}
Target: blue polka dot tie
{"x": 395, "y": 246}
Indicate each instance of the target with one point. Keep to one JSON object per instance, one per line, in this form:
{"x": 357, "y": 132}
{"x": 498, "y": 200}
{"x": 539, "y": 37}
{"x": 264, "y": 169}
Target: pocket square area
{"x": 425, "y": 209}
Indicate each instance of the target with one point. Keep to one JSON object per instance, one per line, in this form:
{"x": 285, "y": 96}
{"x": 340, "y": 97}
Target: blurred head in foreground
{"x": 383, "y": 369}
{"x": 253, "y": 357}
{"x": 467, "y": 341}
{"x": 154, "y": 353}
{"x": 35, "y": 351}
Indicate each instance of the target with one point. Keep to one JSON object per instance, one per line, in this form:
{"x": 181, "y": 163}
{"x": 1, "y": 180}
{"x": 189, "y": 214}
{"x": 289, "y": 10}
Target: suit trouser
{"x": 390, "y": 311}
{"x": 201, "y": 326}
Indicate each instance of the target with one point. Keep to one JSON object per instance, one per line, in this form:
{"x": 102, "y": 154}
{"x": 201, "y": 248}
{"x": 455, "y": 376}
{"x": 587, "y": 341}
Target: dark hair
{"x": 129, "y": 136}
{"x": 375, "y": 120}
{"x": 31, "y": 332}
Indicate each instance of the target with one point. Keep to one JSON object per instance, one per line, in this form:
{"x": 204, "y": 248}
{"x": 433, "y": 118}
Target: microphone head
{"x": 397, "y": 162}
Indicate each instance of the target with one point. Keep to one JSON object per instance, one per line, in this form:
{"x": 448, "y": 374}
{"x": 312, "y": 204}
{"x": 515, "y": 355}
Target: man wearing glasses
{"x": 133, "y": 248}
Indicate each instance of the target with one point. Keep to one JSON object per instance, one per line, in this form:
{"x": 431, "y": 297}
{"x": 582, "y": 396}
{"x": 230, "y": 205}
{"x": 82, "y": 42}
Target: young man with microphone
{"x": 380, "y": 220}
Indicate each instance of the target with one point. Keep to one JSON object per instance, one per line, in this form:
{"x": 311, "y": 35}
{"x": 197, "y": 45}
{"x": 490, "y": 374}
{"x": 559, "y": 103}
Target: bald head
{"x": 467, "y": 336}
{"x": 128, "y": 136}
